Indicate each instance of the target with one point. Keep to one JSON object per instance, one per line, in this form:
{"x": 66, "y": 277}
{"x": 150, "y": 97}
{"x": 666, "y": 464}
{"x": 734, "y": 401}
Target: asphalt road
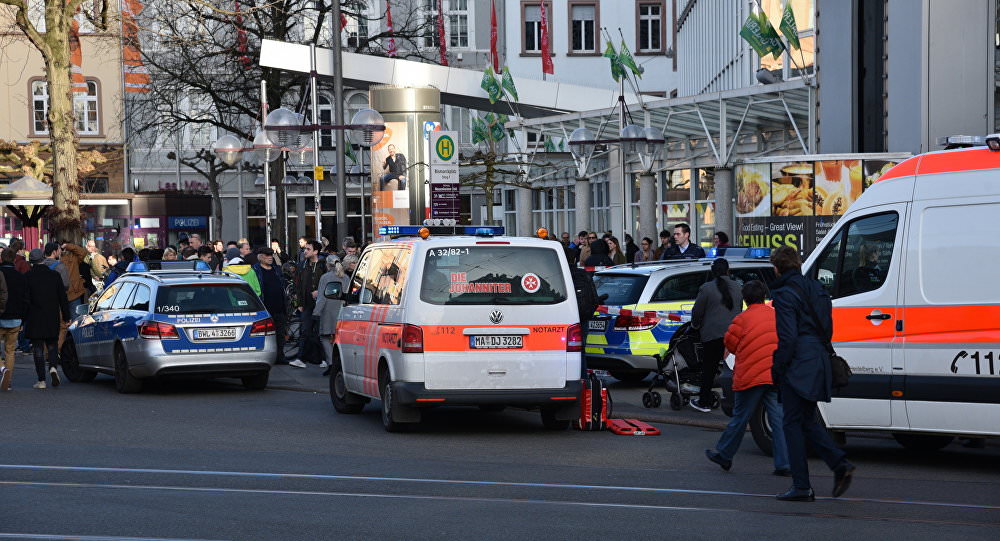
{"x": 208, "y": 460}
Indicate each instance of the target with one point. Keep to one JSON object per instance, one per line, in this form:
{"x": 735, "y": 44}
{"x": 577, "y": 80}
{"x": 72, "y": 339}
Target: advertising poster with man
{"x": 390, "y": 170}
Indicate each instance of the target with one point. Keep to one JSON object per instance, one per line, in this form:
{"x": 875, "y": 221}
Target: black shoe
{"x": 326, "y": 372}
{"x": 54, "y": 375}
{"x": 798, "y": 495}
{"x": 783, "y": 472}
{"x": 697, "y": 406}
{"x": 714, "y": 456}
{"x": 842, "y": 476}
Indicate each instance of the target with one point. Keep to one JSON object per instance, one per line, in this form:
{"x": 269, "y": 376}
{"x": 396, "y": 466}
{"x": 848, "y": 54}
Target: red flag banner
{"x": 547, "y": 66}
{"x": 493, "y": 37}
{"x": 76, "y": 58}
{"x": 136, "y": 74}
{"x": 441, "y": 35}
{"x": 392, "y": 40}
{"x": 241, "y": 39}
{"x": 343, "y": 22}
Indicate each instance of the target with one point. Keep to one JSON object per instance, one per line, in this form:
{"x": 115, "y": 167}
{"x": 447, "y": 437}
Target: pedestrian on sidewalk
{"x": 328, "y": 310}
{"x": 14, "y": 294}
{"x": 48, "y": 309}
{"x": 272, "y": 293}
{"x": 306, "y": 285}
{"x": 718, "y": 302}
{"x": 752, "y": 338}
{"x": 802, "y": 371}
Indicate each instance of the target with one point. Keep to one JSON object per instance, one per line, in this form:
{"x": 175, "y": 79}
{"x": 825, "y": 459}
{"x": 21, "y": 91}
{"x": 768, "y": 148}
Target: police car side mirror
{"x": 332, "y": 291}
{"x": 82, "y": 310}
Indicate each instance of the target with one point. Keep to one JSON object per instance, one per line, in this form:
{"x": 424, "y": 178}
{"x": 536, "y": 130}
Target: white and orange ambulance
{"x": 445, "y": 316}
{"x": 912, "y": 268}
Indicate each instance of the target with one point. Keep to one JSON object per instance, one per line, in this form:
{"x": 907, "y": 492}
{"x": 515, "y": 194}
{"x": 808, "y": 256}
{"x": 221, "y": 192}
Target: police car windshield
{"x": 621, "y": 289}
{"x": 492, "y": 275}
{"x": 207, "y": 299}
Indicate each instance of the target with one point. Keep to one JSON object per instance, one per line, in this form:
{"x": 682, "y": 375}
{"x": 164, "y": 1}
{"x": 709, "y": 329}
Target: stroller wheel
{"x": 647, "y": 399}
{"x": 676, "y": 402}
{"x": 657, "y": 399}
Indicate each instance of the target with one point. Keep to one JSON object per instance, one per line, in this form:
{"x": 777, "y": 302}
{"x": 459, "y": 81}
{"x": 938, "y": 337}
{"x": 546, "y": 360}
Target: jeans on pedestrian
{"x": 39, "y": 348}
{"x": 746, "y": 404}
{"x": 280, "y": 328}
{"x": 711, "y": 356}
{"x": 801, "y": 425}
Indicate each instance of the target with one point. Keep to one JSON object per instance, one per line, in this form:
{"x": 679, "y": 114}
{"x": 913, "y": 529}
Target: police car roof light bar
{"x": 441, "y": 230}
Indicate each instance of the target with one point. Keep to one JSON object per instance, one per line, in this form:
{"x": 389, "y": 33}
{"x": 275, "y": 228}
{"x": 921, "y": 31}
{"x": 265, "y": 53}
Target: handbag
{"x": 840, "y": 370}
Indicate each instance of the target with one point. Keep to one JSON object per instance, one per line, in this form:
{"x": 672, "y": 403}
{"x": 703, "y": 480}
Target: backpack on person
{"x": 587, "y": 299}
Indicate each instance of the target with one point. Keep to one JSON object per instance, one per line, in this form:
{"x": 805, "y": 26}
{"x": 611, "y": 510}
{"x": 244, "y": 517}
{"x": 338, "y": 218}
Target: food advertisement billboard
{"x": 796, "y": 203}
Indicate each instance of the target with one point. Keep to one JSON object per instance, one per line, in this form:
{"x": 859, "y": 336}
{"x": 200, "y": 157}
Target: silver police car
{"x": 161, "y": 323}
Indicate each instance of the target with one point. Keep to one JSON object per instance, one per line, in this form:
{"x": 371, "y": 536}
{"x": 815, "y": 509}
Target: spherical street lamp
{"x": 264, "y": 149}
{"x": 283, "y": 126}
{"x": 650, "y": 149}
{"x": 229, "y": 149}
{"x": 582, "y": 145}
{"x": 630, "y": 138}
{"x": 367, "y": 127}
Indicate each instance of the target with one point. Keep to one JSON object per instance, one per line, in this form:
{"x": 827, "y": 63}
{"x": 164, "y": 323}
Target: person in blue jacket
{"x": 801, "y": 369}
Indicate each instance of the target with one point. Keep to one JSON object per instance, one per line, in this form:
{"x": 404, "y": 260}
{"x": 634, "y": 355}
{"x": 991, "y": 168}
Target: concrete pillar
{"x": 524, "y": 204}
{"x": 582, "y": 206}
{"x": 647, "y": 206}
{"x": 724, "y": 189}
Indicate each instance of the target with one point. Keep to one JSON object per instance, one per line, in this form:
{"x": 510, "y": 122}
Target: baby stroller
{"x": 678, "y": 370}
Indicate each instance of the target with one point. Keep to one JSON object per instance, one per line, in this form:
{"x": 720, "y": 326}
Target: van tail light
{"x": 264, "y": 327}
{"x": 158, "y": 331}
{"x": 413, "y": 339}
{"x": 574, "y": 338}
{"x": 635, "y": 323}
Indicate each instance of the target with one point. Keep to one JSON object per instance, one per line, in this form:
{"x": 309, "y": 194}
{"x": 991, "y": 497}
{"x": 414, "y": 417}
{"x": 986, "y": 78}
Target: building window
{"x": 532, "y": 37}
{"x": 201, "y": 131}
{"x": 458, "y": 23}
{"x": 85, "y": 109}
{"x": 357, "y": 31}
{"x": 583, "y": 28}
{"x": 325, "y": 114}
{"x": 431, "y": 37}
{"x": 650, "y": 32}
{"x": 95, "y": 185}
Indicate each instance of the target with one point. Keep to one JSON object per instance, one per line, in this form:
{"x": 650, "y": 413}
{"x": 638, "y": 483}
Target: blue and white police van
{"x": 181, "y": 320}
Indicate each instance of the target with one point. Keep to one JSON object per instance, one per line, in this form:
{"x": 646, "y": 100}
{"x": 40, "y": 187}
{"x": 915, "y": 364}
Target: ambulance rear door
{"x": 859, "y": 264}
{"x": 951, "y": 319}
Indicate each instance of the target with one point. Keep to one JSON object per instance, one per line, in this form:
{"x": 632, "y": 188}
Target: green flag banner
{"x": 549, "y": 145}
{"x": 788, "y": 28}
{"x": 490, "y": 85}
{"x": 626, "y": 60}
{"x": 761, "y": 36}
{"x": 507, "y": 82}
{"x": 617, "y": 71}
{"x": 349, "y": 150}
{"x": 479, "y": 132}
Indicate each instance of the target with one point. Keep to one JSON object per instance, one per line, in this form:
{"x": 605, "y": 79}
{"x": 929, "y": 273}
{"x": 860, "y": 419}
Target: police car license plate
{"x": 215, "y": 333}
{"x": 496, "y": 342}
{"x": 599, "y": 325}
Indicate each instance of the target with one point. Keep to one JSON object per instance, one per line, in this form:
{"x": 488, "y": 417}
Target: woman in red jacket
{"x": 752, "y": 338}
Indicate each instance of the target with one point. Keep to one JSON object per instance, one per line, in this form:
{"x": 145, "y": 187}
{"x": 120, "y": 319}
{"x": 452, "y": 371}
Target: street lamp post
{"x": 644, "y": 143}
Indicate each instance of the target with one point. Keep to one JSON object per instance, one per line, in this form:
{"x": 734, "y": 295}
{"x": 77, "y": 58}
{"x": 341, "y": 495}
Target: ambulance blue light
{"x": 137, "y": 266}
{"x": 202, "y": 266}
{"x": 759, "y": 253}
{"x": 484, "y": 231}
{"x": 711, "y": 252}
{"x": 393, "y": 230}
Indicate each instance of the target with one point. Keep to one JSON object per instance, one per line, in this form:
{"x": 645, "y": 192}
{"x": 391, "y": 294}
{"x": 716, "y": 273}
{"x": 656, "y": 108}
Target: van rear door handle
{"x": 878, "y": 316}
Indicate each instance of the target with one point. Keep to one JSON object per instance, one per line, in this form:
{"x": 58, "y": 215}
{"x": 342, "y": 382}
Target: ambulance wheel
{"x": 125, "y": 382}
{"x": 676, "y": 403}
{"x": 923, "y": 442}
{"x": 391, "y": 410}
{"x": 257, "y": 382}
{"x": 343, "y": 401}
{"x": 760, "y": 429}
{"x": 647, "y": 399}
{"x": 71, "y": 364}
{"x": 550, "y": 422}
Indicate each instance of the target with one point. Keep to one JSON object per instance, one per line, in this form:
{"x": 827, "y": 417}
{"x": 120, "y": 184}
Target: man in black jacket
{"x": 272, "y": 292}
{"x": 395, "y": 169}
{"x": 306, "y": 285}
{"x": 682, "y": 248}
{"x": 48, "y": 308}
{"x": 801, "y": 370}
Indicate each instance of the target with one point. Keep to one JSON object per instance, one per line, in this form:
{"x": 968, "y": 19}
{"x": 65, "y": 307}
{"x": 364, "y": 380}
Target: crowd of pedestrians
{"x": 590, "y": 249}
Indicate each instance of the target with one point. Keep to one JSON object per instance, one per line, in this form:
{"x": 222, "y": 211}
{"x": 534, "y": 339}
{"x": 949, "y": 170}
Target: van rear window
{"x": 492, "y": 275}
{"x": 207, "y": 299}
{"x": 621, "y": 289}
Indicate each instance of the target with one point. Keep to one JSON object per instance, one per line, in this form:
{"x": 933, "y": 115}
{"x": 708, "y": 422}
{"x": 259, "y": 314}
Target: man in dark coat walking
{"x": 48, "y": 308}
{"x": 801, "y": 369}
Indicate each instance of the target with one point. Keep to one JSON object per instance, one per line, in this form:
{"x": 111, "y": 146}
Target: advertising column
{"x": 444, "y": 175}
{"x": 399, "y": 161}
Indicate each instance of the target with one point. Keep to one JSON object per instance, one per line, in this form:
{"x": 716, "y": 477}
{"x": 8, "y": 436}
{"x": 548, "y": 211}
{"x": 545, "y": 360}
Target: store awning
{"x": 708, "y": 130}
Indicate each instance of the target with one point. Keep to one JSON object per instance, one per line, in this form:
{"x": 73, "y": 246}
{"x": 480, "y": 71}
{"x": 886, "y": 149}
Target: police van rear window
{"x": 492, "y": 275}
{"x": 207, "y": 299}
{"x": 621, "y": 289}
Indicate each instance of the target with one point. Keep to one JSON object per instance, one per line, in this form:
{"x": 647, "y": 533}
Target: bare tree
{"x": 54, "y": 46}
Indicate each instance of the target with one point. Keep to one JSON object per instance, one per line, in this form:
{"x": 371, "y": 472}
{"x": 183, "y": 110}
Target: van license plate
{"x": 496, "y": 342}
{"x": 599, "y": 325}
{"x": 217, "y": 333}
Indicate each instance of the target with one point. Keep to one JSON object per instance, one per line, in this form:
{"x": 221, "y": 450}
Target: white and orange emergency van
{"x": 445, "y": 316}
{"x": 912, "y": 269}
